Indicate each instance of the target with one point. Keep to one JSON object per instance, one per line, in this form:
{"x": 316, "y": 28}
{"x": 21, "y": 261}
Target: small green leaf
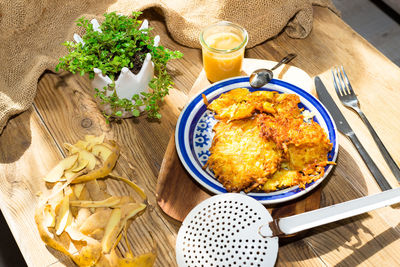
{"x": 135, "y": 113}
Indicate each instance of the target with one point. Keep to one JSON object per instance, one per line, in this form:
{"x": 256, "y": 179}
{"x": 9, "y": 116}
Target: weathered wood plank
{"x": 64, "y": 107}
{"x": 297, "y": 253}
{"x": 65, "y": 103}
{"x": 27, "y": 153}
{"x": 375, "y": 22}
{"x": 340, "y": 240}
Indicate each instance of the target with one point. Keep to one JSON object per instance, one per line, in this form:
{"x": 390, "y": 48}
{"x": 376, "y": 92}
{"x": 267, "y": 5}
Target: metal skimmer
{"x": 236, "y": 230}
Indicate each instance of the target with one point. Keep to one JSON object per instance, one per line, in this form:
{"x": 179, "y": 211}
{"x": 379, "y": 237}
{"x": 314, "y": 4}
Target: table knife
{"x": 344, "y": 127}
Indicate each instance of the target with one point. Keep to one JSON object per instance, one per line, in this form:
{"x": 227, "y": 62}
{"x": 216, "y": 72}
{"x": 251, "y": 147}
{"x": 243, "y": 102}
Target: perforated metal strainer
{"x": 236, "y": 230}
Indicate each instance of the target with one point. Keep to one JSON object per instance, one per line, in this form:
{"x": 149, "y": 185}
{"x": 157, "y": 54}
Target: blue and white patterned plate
{"x": 193, "y": 135}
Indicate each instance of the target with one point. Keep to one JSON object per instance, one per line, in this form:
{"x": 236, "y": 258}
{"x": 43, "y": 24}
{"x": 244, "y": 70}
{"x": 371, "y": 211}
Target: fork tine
{"x": 340, "y": 82}
{"x": 347, "y": 81}
{"x": 335, "y": 84}
{"x": 345, "y": 89}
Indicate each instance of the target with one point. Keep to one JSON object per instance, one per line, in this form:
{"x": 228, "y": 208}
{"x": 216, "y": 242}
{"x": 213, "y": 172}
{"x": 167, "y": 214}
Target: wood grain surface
{"x": 64, "y": 111}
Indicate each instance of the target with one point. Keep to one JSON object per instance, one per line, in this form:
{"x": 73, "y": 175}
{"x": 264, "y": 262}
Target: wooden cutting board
{"x": 178, "y": 193}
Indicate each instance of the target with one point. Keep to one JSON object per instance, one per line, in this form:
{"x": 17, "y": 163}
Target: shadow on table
{"x": 370, "y": 248}
{"x": 10, "y": 255}
{"x": 14, "y": 141}
{"x": 16, "y": 137}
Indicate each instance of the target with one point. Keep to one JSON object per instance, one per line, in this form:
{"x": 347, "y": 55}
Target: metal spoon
{"x": 261, "y": 77}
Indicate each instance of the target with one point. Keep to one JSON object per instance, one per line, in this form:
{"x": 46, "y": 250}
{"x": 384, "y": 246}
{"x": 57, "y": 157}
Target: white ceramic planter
{"x": 127, "y": 84}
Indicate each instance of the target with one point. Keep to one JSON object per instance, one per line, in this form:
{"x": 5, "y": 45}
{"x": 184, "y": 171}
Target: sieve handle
{"x": 307, "y": 220}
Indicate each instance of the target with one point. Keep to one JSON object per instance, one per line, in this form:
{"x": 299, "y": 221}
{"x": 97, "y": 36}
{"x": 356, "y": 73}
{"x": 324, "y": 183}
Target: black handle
{"x": 388, "y": 158}
{"x": 380, "y": 179}
{"x": 285, "y": 60}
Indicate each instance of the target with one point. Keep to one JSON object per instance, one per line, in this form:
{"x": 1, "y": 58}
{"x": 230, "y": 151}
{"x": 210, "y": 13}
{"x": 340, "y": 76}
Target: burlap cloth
{"x": 31, "y": 32}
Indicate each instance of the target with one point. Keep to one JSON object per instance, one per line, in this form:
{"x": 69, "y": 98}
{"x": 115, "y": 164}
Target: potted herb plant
{"x": 127, "y": 66}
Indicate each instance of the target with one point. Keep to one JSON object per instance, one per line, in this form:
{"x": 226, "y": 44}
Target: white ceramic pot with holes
{"x": 127, "y": 84}
{"x": 236, "y": 230}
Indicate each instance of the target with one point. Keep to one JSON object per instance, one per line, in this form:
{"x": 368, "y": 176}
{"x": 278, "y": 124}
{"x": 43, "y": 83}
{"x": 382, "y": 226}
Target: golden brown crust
{"x": 240, "y": 158}
{"x": 262, "y": 142}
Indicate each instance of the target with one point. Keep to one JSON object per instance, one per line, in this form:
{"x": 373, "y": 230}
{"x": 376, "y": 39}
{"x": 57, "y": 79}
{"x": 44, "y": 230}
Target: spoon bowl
{"x": 261, "y": 77}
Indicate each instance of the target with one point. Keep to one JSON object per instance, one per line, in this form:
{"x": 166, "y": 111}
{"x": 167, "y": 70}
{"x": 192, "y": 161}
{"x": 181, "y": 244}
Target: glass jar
{"x": 223, "y": 46}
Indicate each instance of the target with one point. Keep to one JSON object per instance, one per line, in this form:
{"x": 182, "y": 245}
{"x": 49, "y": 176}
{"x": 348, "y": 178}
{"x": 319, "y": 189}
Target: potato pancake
{"x": 302, "y": 143}
{"x": 240, "y": 157}
{"x": 232, "y": 105}
{"x": 240, "y": 104}
{"x": 262, "y": 142}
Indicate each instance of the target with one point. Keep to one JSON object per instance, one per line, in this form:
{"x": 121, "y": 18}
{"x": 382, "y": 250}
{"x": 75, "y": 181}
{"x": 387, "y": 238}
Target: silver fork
{"x": 346, "y": 94}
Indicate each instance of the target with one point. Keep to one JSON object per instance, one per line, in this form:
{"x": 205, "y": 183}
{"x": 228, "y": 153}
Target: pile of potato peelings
{"x": 79, "y": 217}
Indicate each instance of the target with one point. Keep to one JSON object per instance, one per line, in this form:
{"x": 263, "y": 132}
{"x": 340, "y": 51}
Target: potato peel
{"x": 131, "y": 184}
{"x": 103, "y": 171}
{"x": 111, "y": 231}
{"x": 56, "y": 173}
{"x": 79, "y": 217}
{"x": 110, "y": 202}
{"x": 62, "y": 213}
{"x": 95, "y": 222}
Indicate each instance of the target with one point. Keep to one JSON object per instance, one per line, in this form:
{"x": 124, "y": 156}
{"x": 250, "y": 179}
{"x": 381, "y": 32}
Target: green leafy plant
{"x": 120, "y": 44}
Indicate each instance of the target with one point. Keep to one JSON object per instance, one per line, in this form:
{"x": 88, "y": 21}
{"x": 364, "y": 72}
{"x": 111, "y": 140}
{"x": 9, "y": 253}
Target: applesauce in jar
{"x": 223, "y": 46}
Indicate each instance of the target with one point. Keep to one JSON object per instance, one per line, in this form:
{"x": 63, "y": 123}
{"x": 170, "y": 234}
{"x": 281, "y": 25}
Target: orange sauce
{"x": 220, "y": 65}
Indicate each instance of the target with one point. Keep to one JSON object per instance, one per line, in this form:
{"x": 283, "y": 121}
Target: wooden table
{"x": 64, "y": 111}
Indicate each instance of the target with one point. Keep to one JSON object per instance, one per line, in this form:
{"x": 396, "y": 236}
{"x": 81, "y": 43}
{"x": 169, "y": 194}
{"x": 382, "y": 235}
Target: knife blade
{"x": 326, "y": 99}
{"x": 344, "y": 127}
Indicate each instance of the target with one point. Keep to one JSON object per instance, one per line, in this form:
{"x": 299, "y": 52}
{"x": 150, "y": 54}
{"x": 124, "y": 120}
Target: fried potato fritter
{"x": 281, "y": 179}
{"x": 240, "y": 157}
{"x": 232, "y": 105}
{"x": 241, "y": 104}
{"x": 262, "y": 142}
